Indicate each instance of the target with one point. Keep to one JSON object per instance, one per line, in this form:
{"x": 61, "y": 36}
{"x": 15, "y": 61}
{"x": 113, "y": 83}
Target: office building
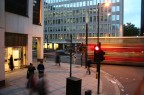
{"x": 63, "y": 18}
{"x": 21, "y": 21}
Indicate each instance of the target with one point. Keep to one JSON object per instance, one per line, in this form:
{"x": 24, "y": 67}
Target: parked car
{"x": 62, "y": 52}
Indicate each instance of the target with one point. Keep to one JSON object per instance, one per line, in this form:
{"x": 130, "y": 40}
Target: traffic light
{"x": 98, "y": 54}
{"x": 102, "y": 53}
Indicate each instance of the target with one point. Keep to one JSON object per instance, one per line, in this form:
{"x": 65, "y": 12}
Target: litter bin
{"x": 88, "y": 92}
{"x": 73, "y": 86}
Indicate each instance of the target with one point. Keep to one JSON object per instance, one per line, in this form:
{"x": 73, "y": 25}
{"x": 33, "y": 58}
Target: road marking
{"x": 113, "y": 80}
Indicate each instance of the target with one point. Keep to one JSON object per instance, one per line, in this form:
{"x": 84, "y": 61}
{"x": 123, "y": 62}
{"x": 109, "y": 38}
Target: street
{"x": 128, "y": 77}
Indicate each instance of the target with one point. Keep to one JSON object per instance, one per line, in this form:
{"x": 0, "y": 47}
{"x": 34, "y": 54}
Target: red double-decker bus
{"x": 120, "y": 50}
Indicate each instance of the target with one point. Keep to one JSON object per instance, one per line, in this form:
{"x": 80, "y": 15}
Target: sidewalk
{"x": 56, "y": 80}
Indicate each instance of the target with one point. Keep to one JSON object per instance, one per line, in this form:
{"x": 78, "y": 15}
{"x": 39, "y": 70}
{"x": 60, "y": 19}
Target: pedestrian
{"x": 45, "y": 59}
{"x": 30, "y": 71}
{"x": 40, "y": 69}
{"x": 11, "y": 65}
{"x": 74, "y": 58}
{"x": 42, "y": 86}
{"x": 89, "y": 62}
{"x": 30, "y": 76}
{"x": 57, "y": 58}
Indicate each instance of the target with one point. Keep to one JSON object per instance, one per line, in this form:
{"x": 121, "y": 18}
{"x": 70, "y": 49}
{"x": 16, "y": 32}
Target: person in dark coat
{"x": 11, "y": 65}
{"x": 40, "y": 69}
{"x": 89, "y": 62}
{"x": 30, "y": 76}
{"x": 57, "y": 59}
{"x": 30, "y": 71}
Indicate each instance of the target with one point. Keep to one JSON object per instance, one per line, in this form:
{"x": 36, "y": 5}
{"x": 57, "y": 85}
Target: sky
{"x": 132, "y": 12}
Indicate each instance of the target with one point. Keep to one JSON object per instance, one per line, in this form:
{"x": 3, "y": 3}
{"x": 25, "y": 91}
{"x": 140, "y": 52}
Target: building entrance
{"x": 19, "y": 58}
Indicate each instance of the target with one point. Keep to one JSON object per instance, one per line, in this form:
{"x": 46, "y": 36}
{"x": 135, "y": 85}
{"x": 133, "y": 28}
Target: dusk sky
{"x": 132, "y": 12}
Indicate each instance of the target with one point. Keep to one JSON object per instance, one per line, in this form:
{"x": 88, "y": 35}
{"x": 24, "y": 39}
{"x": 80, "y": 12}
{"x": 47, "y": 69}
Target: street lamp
{"x": 98, "y": 12}
{"x": 109, "y": 22}
{"x": 70, "y": 55}
{"x": 98, "y": 42}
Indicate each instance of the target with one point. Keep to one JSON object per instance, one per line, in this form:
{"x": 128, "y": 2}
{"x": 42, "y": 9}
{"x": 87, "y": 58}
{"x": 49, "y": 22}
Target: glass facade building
{"x": 63, "y": 18}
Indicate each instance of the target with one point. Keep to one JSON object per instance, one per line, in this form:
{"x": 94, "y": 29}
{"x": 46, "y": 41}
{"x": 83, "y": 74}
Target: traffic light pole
{"x": 98, "y": 70}
{"x": 86, "y": 53}
{"x": 98, "y": 43}
{"x": 98, "y": 24}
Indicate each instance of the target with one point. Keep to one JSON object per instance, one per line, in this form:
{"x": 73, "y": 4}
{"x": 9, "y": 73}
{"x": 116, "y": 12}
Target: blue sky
{"x": 132, "y": 12}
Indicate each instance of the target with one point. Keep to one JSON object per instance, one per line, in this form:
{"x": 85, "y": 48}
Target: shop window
{"x": 19, "y": 7}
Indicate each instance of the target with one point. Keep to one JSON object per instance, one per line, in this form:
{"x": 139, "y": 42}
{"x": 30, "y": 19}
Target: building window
{"x": 19, "y": 7}
{"x": 36, "y": 12}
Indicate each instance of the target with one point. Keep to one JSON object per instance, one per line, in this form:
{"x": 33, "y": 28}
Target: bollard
{"x": 88, "y": 92}
{"x": 73, "y": 86}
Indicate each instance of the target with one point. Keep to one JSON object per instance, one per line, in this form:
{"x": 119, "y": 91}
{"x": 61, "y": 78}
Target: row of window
{"x": 80, "y": 2}
{"x": 70, "y": 14}
{"x": 76, "y": 11}
{"x": 79, "y": 28}
{"x": 102, "y": 18}
{"x": 75, "y": 36}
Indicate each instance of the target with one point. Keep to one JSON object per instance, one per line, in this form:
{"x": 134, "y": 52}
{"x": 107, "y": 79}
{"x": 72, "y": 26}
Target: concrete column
{"x": 53, "y": 46}
{"x": 121, "y": 18}
{"x": 2, "y": 58}
{"x": 39, "y": 48}
{"x": 2, "y": 40}
{"x": 29, "y": 50}
{"x": 63, "y": 46}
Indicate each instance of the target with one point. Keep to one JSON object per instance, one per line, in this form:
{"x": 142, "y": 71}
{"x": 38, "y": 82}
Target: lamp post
{"x": 98, "y": 43}
{"x": 98, "y": 24}
{"x": 70, "y": 55}
{"x": 109, "y": 22}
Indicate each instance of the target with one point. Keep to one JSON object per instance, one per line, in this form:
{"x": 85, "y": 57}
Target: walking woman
{"x": 11, "y": 65}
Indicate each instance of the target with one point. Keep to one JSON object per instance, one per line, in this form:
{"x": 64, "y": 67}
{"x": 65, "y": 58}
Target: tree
{"x": 130, "y": 30}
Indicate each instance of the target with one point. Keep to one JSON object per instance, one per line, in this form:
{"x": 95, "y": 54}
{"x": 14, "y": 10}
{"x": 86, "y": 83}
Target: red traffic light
{"x": 97, "y": 48}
